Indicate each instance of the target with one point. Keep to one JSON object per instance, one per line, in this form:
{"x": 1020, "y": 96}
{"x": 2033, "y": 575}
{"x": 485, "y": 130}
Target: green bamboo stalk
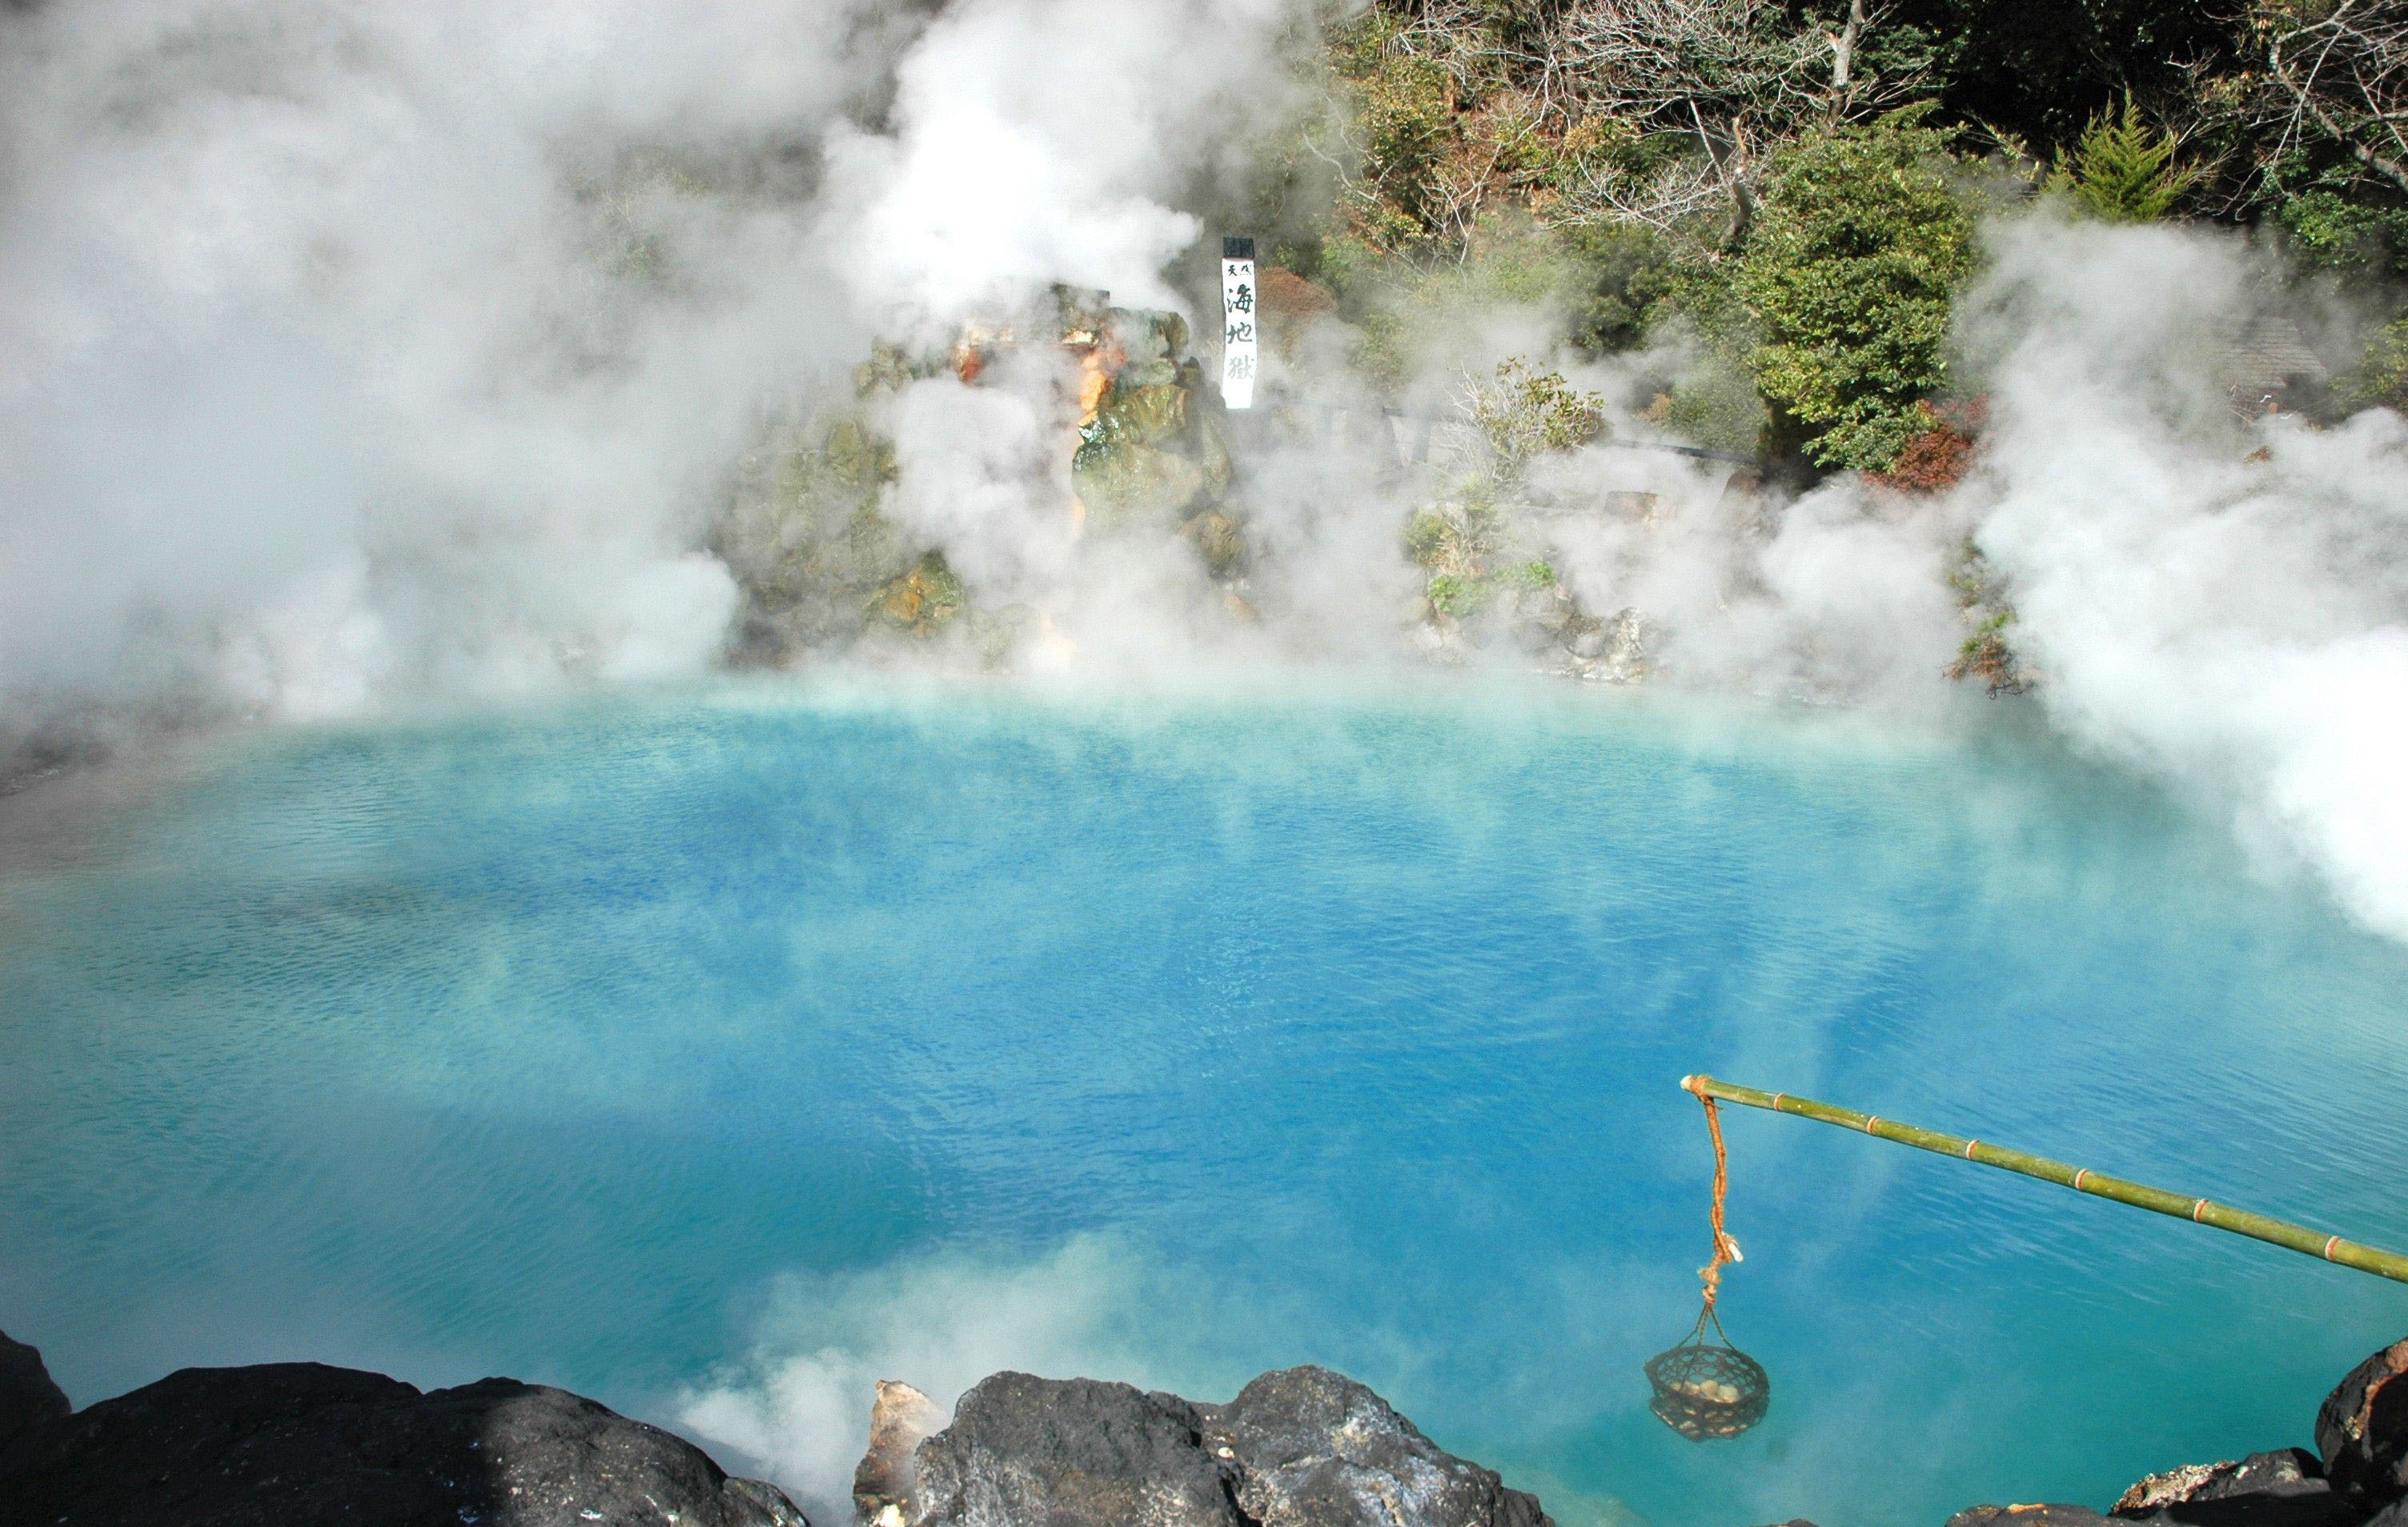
{"x": 2332, "y": 1249}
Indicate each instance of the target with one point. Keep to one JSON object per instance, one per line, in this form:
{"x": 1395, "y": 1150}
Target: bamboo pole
{"x": 2332, "y": 1249}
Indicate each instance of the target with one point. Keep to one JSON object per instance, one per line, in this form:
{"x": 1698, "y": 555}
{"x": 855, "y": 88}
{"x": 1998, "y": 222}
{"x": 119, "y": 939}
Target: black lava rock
{"x": 1314, "y": 1448}
{"x": 300, "y": 1444}
{"x": 2284, "y": 1488}
{"x": 1070, "y": 1452}
{"x": 2394, "y": 1515}
{"x": 2363, "y": 1429}
{"x": 1300, "y": 1447}
{"x": 27, "y": 1394}
{"x": 2029, "y": 1516}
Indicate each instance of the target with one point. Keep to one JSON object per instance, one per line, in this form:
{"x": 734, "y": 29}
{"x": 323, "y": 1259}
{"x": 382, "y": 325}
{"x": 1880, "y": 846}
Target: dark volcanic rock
{"x": 1070, "y": 1452}
{"x": 1300, "y": 1447}
{"x": 2394, "y": 1515}
{"x": 297, "y": 1444}
{"x": 2363, "y": 1429}
{"x": 1314, "y": 1448}
{"x": 2029, "y": 1516}
{"x": 2284, "y": 1488}
{"x": 27, "y": 1394}
{"x": 2284, "y": 1468}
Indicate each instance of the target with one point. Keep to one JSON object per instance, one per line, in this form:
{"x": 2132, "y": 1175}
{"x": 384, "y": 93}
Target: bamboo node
{"x": 2298, "y": 1239}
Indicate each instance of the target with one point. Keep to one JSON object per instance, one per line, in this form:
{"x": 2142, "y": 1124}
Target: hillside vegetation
{"x": 1799, "y": 186}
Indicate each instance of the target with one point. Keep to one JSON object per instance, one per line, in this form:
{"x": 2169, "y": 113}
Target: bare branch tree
{"x": 1681, "y": 102}
{"x": 1664, "y": 201}
{"x": 2341, "y": 68}
{"x": 1843, "y": 49}
{"x": 1732, "y": 74}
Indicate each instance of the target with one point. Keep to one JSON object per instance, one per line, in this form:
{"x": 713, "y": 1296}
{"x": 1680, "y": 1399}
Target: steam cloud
{"x": 347, "y": 357}
{"x": 359, "y": 353}
{"x": 2228, "y": 611}
{"x": 798, "y": 1405}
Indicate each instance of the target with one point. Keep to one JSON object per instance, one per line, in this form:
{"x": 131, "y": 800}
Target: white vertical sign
{"x": 1238, "y": 304}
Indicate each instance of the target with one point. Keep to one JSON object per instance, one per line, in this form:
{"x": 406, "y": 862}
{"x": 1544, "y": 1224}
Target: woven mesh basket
{"x": 1707, "y": 1389}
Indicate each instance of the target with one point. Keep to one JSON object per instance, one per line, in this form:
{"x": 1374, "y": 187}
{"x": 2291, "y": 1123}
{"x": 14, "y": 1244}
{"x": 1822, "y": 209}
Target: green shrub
{"x": 1622, "y": 268}
{"x": 1849, "y": 272}
{"x": 1405, "y": 126}
{"x": 1459, "y": 596}
{"x": 1523, "y": 412}
{"x": 1407, "y": 309}
{"x": 2327, "y": 230}
{"x": 2382, "y": 376}
{"x": 1713, "y": 402}
{"x": 1456, "y": 537}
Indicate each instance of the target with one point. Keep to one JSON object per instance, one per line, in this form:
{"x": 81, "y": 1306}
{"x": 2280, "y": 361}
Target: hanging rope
{"x": 1706, "y": 1389}
{"x": 1725, "y": 1250}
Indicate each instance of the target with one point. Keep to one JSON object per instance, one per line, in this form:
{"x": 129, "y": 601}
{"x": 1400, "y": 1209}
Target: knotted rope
{"x": 1726, "y": 1248}
{"x": 1705, "y": 1387}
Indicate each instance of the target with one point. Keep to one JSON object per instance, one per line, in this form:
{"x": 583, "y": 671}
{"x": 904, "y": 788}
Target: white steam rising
{"x": 2227, "y": 608}
{"x": 2221, "y": 604}
{"x": 798, "y": 1406}
{"x": 345, "y": 358}
{"x": 1034, "y": 141}
{"x": 1841, "y": 594}
{"x": 354, "y": 352}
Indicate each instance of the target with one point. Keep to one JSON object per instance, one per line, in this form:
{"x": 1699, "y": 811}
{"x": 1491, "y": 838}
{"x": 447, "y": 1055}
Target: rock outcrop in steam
{"x": 830, "y": 545}
{"x": 1301, "y": 1445}
{"x": 359, "y": 352}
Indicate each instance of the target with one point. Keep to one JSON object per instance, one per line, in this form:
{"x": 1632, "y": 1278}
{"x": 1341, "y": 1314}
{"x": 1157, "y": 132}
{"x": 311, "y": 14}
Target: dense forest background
{"x": 1795, "y": 190}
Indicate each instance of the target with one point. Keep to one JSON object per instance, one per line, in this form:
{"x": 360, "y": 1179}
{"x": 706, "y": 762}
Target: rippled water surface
{"x": 715, "y": 1054}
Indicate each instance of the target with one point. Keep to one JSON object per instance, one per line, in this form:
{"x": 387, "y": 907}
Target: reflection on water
{"x": 657, "y": 1049}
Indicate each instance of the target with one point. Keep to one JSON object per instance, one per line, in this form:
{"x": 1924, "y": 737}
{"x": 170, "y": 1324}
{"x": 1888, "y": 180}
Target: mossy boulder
{"x": 1148, "y": 454}
{"x": 1220, "y": 541}
{"x": 1151, "y": 451}
{"x": 1128, "y": 480}
{"x": 922, "y": 601}
{"x": 1155, "y": 414}
{"x": 805, "y": 535}
{"x": 858, "y": 459}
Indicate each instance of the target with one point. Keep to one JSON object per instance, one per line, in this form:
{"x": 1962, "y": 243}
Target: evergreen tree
{"x": 2122, "y": 171}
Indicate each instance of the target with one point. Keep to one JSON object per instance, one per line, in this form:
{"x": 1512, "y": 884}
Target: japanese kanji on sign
{"x": 1237, "y": 349}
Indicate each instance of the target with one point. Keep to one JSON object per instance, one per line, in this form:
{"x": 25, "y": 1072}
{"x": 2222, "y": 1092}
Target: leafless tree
{"x": 1702, "y": 90}
{"x": 2340, "y": 70}
{"x": 1449, "y": 191}
{"x": 1733, "y": 77}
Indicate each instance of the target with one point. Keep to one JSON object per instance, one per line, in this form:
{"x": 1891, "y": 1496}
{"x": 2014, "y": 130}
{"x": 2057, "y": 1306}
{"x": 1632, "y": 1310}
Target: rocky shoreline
{"x": 299, "y": 1444}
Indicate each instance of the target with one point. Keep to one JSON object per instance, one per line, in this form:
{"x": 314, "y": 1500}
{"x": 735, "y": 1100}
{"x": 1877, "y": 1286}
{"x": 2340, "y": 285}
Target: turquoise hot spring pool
{"x": 716, "y": 1052}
